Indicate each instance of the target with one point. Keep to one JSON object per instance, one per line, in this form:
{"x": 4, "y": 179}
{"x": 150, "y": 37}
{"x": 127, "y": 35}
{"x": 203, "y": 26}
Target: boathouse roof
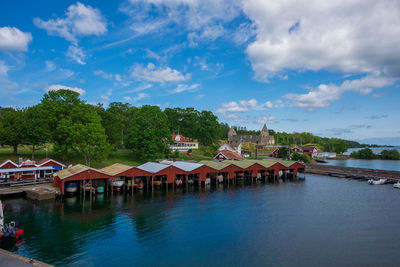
{"x": 244, "y": 164}
{"x": 186, "y": 166}
{"x": 152, "y": 167}
{"x": 68, "y": 172}
{"x": 115, "y": 169}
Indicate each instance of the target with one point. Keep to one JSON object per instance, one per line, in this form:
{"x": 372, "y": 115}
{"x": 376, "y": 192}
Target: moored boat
{"x": 8, "y": 230}
{"x": 118, "y": 183}
{"x": 71, "y": 188}
{"x": 376, "y": 182}
{"x": 397, "y": 185}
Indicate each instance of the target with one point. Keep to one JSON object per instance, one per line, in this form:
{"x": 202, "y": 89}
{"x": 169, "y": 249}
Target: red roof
{"x": 230, "y": 155}
{"x": 42, "y": 161}
{"x": 178, "y": 138}
{"x": 308, "y": 148}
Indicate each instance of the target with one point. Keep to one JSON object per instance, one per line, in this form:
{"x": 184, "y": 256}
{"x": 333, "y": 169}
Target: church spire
{"x": 265, "y": 129}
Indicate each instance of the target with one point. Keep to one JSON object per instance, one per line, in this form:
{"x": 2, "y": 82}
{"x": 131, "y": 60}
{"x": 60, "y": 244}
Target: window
{"x": 27, "y": 172}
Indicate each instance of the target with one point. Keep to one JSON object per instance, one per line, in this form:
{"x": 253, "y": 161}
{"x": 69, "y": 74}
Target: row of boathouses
{"x": 166, "y": 175}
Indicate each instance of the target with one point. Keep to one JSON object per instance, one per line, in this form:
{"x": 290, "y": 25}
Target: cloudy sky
{"x": 327, "y": 67}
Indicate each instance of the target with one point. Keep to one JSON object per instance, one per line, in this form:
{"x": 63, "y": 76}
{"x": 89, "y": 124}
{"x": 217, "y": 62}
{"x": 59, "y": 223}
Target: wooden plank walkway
{"x": 22, "y": 189}
{"x": 352, "y": 172}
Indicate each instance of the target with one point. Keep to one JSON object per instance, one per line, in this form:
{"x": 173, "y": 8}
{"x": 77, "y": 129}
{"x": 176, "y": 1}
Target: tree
{"x": 284, "y": 153}
{"x": 208, "y": 129}
{"x": 149, "y": 135}
{"x": 116, "y": 120}
{"x": 37, "y": 130}
{"x": 87, "y": 135}
{"x": 365, "y": 153}
{"x": 12, "y": 128}
{"x": 57, "y": 106}
{"x": 392, "y": 154}
{"x": 301, "y": 157}
{"x": 224, "y": 129}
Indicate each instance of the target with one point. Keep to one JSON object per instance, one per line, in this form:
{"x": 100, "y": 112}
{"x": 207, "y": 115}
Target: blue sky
{"x": 328, "y": 68}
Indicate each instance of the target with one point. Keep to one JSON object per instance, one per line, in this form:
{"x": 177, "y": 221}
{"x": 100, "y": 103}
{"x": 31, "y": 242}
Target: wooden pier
{"x": 353, "y": 173}
{"x": 35, "y": 191}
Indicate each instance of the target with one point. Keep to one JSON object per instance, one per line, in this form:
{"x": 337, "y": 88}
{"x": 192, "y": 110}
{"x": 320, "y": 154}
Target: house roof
{"x": 28, "y": 162}
{"x": 230, "y": 155}
{"x": 226, "y": 147}
{"x": 186, "y": 166}
{"x": 45, "y": 160}
{"x": 267, "y": 163}
{"x": 178, "y": 138}
{"x": 115, "y": 169}
{"x": 4, "y": 162}
{"x": 152, "y": 167}
{"x": 308, "y": 148}
{"x": 68, "y": 172}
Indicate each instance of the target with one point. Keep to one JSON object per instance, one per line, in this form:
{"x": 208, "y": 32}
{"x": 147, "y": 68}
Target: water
{"x": 393, "y": 165}
{"x": 376, "y": 150}
{"x": 323, "y": 221}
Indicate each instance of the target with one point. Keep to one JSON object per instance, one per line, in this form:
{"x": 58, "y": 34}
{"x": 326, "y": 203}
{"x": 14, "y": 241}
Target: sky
{"x": 331, "y": 68}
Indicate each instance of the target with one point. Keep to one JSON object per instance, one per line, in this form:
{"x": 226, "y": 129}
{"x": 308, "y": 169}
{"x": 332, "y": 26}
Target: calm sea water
{"x": 363, "y": 163}
{"x": 323, "y": 221}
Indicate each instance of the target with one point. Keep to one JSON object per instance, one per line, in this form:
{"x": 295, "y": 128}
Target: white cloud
{"x": 185, "y": 88}
{"x": 274, "y": 104}
{"x": 266, "y": 119}
{"x": 118, "y": 77}
{"x": 3, "y": 68}
{"x": 55, "y": 87}
{"x": 76, "y": 53}
{"x": 106, "y": 97}
{"x": 12, "y": 39}
{"x": 50, "y": 66}
{"x": 352, "y": 36}
{"x": 203, "y": 19}
{"x": 241, "y": 106}
{"x": 103, "y": 74}
{"x": 151, "y": 73}
{"x": 79, "y": 20}
{"x": 138, "y": 97}
{"x": 323, "y": 95}
{"x": 140, "y": 88}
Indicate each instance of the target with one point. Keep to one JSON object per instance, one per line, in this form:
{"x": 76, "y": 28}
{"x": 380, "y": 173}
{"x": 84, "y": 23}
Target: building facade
{"x": 181, "y": 144}
{"x": 262, "y": 139}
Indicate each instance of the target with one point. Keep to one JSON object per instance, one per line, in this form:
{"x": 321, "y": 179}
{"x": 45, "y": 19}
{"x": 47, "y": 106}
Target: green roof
{"x": 244, "y": 164}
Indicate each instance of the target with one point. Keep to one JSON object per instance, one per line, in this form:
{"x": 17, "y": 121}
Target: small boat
{"x": 208, "y": 181}
{"x": 178, "y": 183}
{"x": 100, "y": 189}
{"x": 397, "y": 185}
{"x": 376, "y": 182}
{"x": 71, "y": 188}
{"x": 118, "y": 183}
{"x": 8, "y": 230}
{"x": 157, "y": 184}
{"x": 139, "y": 186}
{"x": 321, "y": 161}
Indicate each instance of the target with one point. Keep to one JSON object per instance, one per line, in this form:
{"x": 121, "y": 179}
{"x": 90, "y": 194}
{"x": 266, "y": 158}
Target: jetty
{"x": 353, "y": 173}
{"x": 9, "y": 259}
{"x": 32, "y": 190}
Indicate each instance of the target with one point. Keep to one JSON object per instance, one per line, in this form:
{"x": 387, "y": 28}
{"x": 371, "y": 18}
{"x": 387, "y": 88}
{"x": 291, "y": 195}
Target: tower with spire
{"x": 262, "y": 139}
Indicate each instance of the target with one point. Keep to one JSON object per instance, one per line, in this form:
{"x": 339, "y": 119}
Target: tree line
{"x": 367, "y": 153}
{"x": 76, "y": 128}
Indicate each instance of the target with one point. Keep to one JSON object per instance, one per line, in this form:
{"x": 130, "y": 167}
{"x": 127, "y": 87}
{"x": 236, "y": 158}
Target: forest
{"x": 77, "y": 129}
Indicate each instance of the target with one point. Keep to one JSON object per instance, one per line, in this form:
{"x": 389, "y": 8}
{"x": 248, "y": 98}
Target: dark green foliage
{"x": 365, "y": 153}
{"x": 208, "y": 131}
{"x": 149, "y": 135}
{"x": 392, "y": 154}
{"x": 12, "y": 127}
{"x": 284, "y": 153}
{"x": 224, "y": 129}
{"x": 37, "y": 130}
{"x": 301, "y": 157}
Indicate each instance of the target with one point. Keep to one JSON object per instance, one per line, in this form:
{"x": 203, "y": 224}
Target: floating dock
{"x": 39, "y": 191}
{"x": 353, "y": 173}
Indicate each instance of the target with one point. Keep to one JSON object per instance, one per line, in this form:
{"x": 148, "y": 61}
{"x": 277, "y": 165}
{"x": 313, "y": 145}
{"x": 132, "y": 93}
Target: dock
{"x": 33, "y": 191}
{"x": 353, "y": 173}
{"x": 9, "y": 259}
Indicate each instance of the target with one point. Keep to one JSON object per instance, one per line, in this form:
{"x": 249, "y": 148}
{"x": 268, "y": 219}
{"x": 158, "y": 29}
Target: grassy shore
{"x": 123, "y": 156}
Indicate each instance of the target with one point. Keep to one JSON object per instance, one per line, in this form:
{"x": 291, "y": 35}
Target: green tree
{"x": 12, "y": 128}
{"x": 87, "y": 135}
{"x": 365, "y": 153}
{"x": 392, "y": 154}
{"x": 149, "y": 134}
{"x": 58, "y": 106}
{"x": 284, "y": 153}
{"x": 37, "y": 131}
{"x": 208, "y": 129}
{"x": 301, "y": 157}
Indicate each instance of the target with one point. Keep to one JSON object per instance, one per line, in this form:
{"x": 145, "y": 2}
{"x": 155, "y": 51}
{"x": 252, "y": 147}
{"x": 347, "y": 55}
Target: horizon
{"x": 293, "y": 66}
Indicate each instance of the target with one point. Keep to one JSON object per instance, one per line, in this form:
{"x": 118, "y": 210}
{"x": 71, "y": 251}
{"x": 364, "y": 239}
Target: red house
{"x": 312, "y": 151}
{"x": 228, "y": 155}
{"x": 29, "y": 169}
